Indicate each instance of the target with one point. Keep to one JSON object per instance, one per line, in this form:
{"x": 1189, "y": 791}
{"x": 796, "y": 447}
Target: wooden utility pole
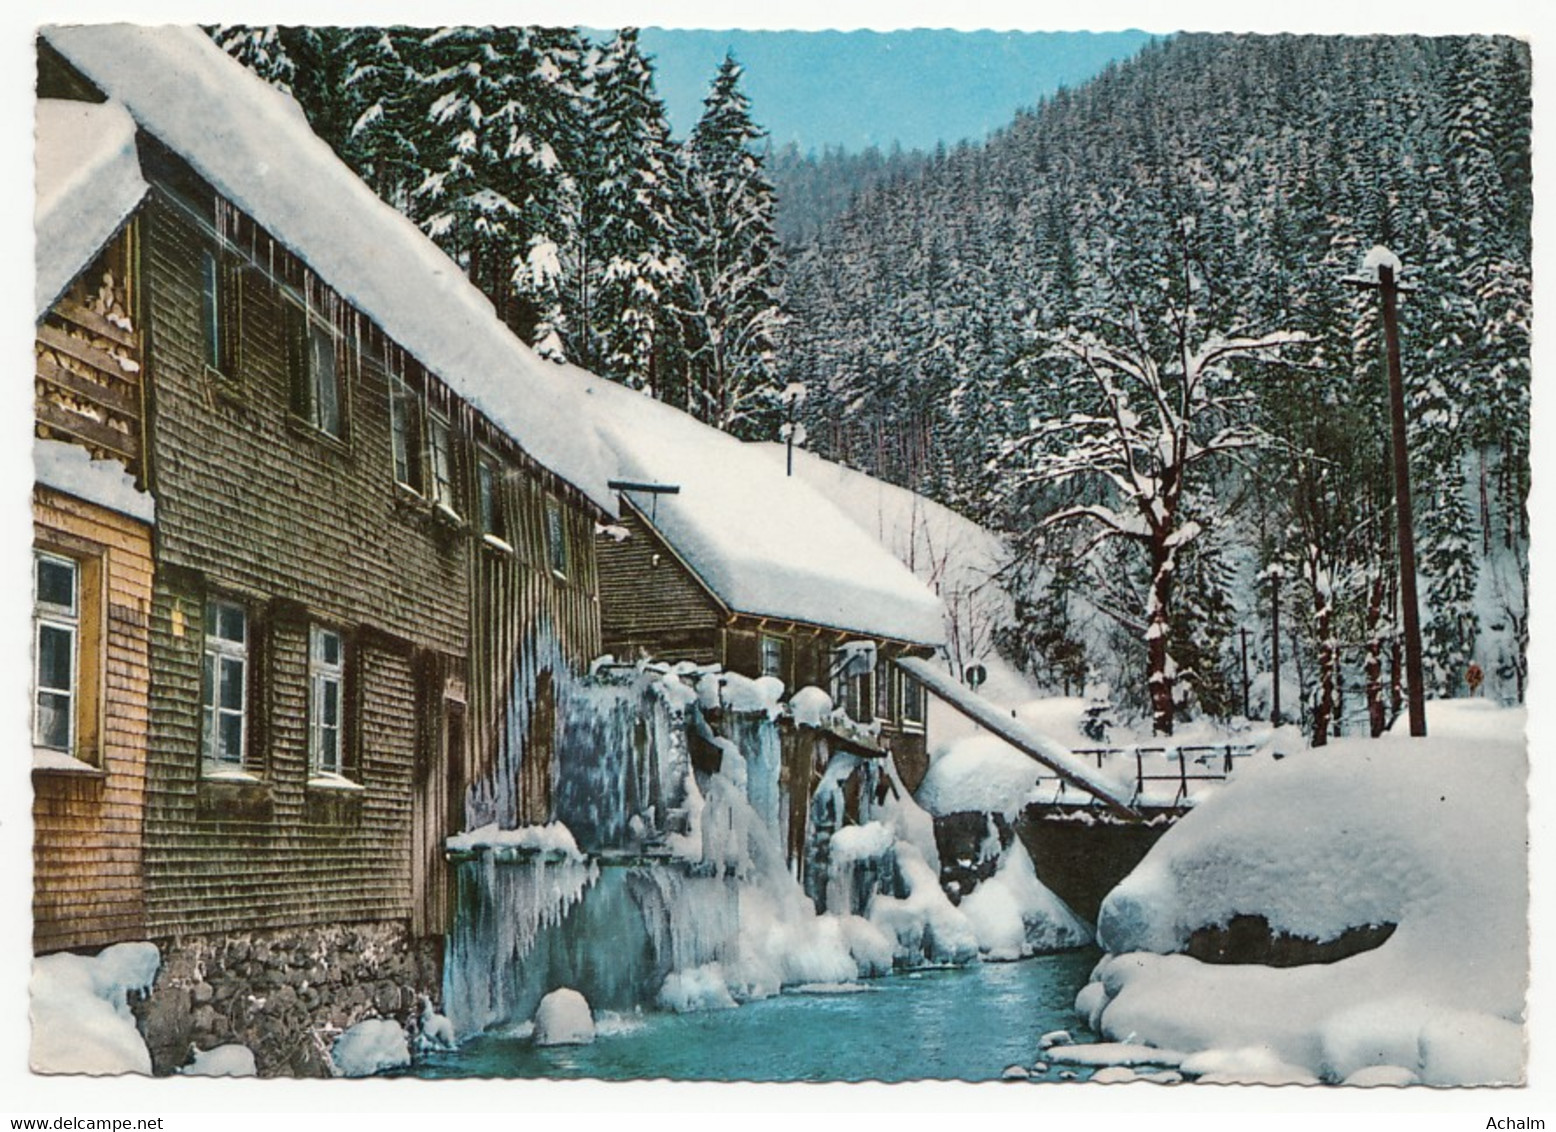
{"x": 1379, "y": 272}
{"x": 1275, "y": 575}
{"x": 1243, "y": 633}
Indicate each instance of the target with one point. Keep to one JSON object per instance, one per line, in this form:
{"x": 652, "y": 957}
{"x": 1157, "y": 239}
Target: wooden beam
{"x": 1037, "y": 747}
{"x": 118, "y": 397}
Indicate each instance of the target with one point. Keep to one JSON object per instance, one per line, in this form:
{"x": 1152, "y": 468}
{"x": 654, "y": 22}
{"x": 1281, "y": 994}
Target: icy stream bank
{"x": 678, "y": 893}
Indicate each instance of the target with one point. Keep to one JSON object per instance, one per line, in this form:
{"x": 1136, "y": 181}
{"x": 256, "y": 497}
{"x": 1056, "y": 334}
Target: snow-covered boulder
{"x": 563, "y": 1018}
{"x": 81, "y": 1020}
{"x": 370, "y": 1047}
{"x": 231, "y": 1060}
{"x": 1428, "y": 835}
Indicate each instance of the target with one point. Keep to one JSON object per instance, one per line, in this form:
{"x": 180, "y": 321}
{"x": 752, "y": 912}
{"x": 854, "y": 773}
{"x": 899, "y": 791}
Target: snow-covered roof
{"x": 253, "y": 144}
{"x": 88, "y": 181}
{"x": 766, "y": 544}
{"x": 70, "y": 468}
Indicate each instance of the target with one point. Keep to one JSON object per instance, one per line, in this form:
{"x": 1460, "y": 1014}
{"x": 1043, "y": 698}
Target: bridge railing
{"x": 1189, "y": 762}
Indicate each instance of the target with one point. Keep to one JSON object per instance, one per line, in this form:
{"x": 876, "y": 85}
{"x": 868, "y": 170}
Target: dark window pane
{"x": 329, "y": 707}
{"x": 556, "y": 537}
{"x": 210, "y": 309}
{"x": 486, "y": 482}
{"x": 52, "y": 724}
{"x": 329, "y": 648}
{"x": 57, "y": 583}
{"x": 55, "y": 645}
{"x": 232, "y": 684}
{"x": 230, "y": 746}
{"x": 228, "y": 623}
{"x": 329, "y": 749}
{"x": 326, "y": 391}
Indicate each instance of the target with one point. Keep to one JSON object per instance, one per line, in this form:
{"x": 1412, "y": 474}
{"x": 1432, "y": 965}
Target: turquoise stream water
{"x": 952, "y": 1024}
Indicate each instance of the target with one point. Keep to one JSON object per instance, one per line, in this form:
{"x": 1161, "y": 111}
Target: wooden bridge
{"x": 1098, "y": 822}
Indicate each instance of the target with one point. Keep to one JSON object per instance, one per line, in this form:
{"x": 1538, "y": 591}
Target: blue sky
{"x": 861, "y": 88}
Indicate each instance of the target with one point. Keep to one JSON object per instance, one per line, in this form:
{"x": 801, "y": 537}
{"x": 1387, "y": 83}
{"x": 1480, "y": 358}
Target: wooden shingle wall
{"x": 87, "y": 824}
{"x": 258, "y": 508}
{"x": 650, "y": 603}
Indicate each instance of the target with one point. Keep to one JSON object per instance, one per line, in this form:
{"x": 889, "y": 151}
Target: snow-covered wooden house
{"x": 301, "y": 502}
{"x": 723, "y": 559}
{"x": 313, "y": 529}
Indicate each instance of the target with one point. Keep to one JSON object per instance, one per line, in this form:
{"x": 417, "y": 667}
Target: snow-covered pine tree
{"x": 730, "y": 303}
{"x": 629, "y": 199}
{"x": 499, "y": 107}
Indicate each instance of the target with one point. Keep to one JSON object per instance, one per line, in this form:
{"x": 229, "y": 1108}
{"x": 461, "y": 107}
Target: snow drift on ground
{"x": 81, "y": 1020}
{"x": 1428, "y": 834}
{"x": 221, "y": 1061}
{"x": 1015, "y": 915}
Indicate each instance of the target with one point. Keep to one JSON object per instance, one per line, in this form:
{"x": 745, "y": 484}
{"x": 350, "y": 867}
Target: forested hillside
{"x": 1119, "y": 333}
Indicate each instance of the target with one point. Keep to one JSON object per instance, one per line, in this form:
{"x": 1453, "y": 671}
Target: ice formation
{"x": 1351, "y": 835}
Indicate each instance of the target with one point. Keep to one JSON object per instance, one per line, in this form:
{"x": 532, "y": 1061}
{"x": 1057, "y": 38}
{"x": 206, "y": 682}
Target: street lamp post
{"x": 1380, "y": 272}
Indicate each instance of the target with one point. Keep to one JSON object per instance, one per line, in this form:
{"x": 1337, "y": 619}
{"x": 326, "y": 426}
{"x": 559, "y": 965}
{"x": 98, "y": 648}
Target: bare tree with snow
{"x": 1154, "y": 410}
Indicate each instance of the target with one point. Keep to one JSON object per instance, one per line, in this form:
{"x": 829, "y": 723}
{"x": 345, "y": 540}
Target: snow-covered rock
{"x": 1425, "y": 834}
{"x": 231, "y": 1060}
{"x": 370, "y": 1047}
{"x": 81, "y": 1020}
{"x": 563, "y": 1018}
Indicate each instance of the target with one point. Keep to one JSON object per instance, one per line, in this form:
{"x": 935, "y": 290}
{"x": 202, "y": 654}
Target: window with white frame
{"x": 327, "y": 683}
{"x": 226, "y": 684}
{"x": 440, "y": 459}
{"x": 315, "y": 365}
{"x": 220, "y": 307}
{"x": 773, "y": 656}
{"x": 489, "y": 501}
{"x": 910, "y": 697}
{"x": 56, "y": 640}
{"x": 556, "y": 537}
{"x": 405, "y": 431}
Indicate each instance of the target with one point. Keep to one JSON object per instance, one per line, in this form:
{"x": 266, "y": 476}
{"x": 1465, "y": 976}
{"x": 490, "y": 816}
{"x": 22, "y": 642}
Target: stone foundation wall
{"x": 284, "y": 994}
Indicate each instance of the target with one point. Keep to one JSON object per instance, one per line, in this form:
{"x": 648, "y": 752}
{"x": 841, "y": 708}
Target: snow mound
{"x": 553, "y": 838}
{"x": 563, "y": 1018}
{"x": 1251, "y": 1065}
{"x": 810, "y": 706}
{"x": 701, "y": 988}
{"x": 980, "y": 774}
{"x": 221, "y": 1061}
{"x": 924, "y": 923}
{"x": 370, "y": 1047}
{"x": 1015, "y": 915}
{"x": 81, "y": 1020}
{"x": 1351, "y": 835}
